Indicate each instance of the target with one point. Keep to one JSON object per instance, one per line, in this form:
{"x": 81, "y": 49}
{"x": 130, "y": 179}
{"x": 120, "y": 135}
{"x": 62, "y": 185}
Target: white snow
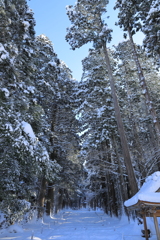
{"x": 25, "y": 91}
{"x": 26, "y": 25}
{"x": 153, "y": 10}
{"x": 9, "y": 127}
{"x": 25, "y": 36}
{"x": 2, "y": 49}
{"x": 144, "y": 91}
{"x": 78, "y": 225}
{"x": 15, "y": 229}
{"x": 52, "y": 63}
{"x": 29, "y": 10}
{"x": 6, "y": 92}
{"x": 28, "y": 130}
{"x": 31, "y": 89}
{"x": 100, "y": 111}
{"x": 148, "y": 191}
{"x": 5, "y": 54}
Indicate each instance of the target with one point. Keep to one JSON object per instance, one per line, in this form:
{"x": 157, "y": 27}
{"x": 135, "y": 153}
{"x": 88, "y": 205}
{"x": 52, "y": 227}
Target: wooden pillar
{"x": 145, "y": 226}
{"x": 156, "y": 226}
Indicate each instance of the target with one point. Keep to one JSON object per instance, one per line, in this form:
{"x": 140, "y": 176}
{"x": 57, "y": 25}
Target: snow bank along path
{"x": 76, "y": 225}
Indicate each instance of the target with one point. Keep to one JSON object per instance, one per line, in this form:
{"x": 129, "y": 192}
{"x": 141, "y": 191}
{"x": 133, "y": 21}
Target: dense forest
{"x": 75, "y": 144}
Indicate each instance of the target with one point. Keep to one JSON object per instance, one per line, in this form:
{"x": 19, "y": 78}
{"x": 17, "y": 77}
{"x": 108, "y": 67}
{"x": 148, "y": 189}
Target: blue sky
{"x": 51, "y": 20}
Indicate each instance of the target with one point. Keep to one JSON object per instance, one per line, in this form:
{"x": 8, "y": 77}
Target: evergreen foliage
{"x": 99, "y": 127}
{"x": 151, "y": 29}
{"x": 88, "y": 26}
{"x": 135, "y": 15}
{"x": 106, "y": 175}
{"x": 63, "y": 143}
{"x": 33, "y": 81}
{"x": 129, "y": 19}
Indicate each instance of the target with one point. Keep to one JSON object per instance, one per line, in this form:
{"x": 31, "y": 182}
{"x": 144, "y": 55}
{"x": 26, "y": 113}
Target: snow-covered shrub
{"x": 14, "y": 210}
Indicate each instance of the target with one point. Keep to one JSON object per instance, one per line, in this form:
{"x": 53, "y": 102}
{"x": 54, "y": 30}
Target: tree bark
{"x": 137, "y": 144}
{"x": 121, "y": 179}
{"x": 56, "y": 198}
{"x": 143, "y": 84}
{"x": 50, "y": 199}
{"x": 41, "y": 199}
{"x": 124, "y": 144}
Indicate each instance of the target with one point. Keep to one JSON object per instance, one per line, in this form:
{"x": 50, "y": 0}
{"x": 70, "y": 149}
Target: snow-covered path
{"x": 77, "y": 225}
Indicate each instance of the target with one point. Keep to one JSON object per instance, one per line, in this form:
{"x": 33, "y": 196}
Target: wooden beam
{"x": 156, "y": 226}
{"x": 145, "y": 226}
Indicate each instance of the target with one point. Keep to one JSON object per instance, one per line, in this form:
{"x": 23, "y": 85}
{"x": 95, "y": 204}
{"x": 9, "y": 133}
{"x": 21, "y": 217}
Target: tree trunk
{"x": 56, "y": 198}
{"x": 50, "y": 199}
{"x": 143, "y": 84}
{"x": 41, "y": 199}
{"x": 60, "y": 199}
{"x": 121, "y": 179}
{"x": 137, "y": 145}
{"x": 124, "y": 144}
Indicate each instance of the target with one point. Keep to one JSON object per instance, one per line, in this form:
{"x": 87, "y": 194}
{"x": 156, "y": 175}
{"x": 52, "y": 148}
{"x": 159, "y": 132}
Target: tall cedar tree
{"x": 130, "y": 22}
{"x": 88, "y": 26}
{"x": 99, "y": 128}
{"x": 24, "y": 123}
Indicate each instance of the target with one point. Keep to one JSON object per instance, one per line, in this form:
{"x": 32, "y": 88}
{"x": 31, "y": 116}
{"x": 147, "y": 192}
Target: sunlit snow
{"x": 78, "y": 225}
{"x": 148, "y": 191}
{"x": 28, "y": 130}
{"x": 6, "y": 92}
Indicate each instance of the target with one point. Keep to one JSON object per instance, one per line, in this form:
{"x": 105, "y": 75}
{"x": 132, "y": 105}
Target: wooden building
{"x": 147, "y": 202}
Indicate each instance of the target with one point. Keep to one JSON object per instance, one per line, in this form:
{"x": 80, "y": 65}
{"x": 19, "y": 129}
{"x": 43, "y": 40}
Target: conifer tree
{"x": 99, "y": 127}
{"x": 135, "y": 112}
{"x": 23, "y": 156}
{"x": 130, "y": 22}
{"x": 88, "y": 26}
{"x": 55, "y": 93}
{"x": 151, "y": 29}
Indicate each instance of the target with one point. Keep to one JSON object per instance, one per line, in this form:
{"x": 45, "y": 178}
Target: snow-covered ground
{"x": 78, "y": 225}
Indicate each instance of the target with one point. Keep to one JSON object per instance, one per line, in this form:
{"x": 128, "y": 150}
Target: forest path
{"x": 77, "y": 225}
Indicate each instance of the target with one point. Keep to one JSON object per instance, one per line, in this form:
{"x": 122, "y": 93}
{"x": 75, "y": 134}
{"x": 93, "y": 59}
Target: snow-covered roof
{"x": 148, "y": 191}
